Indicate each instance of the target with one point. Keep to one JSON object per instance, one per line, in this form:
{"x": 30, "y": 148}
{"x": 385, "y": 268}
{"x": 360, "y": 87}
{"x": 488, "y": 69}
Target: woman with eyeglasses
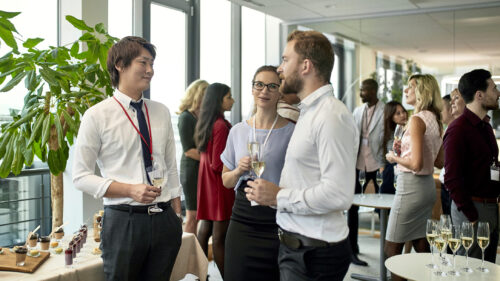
{"x": 252, "y": 243}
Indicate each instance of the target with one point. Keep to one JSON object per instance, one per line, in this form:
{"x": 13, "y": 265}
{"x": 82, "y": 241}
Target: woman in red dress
{"x": 215, "y": 202}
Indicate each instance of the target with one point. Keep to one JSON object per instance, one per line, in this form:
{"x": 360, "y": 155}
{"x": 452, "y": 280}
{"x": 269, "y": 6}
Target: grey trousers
{"x": 487, "y": 213}
{"x": 137, "y": 246}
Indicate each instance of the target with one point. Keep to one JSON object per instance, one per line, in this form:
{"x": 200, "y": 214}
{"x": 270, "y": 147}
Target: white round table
{"x": 384, "y": 203}
{"x": 412, "y": 267}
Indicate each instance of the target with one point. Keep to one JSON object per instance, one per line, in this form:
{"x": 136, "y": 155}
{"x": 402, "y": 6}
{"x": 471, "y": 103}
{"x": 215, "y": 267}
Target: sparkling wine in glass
{"x": 445, "y": 226}
{"x": 440, "y": 243}
{"x": 156, "y": 176}
{"x": 253, "y": 151}
{"x": 454, "y": 243}
{"x": 398, "y": 135}
{"x": 362, "y": 179}
{"x": 467, "y": 237}
{"x": 380, "y": 179}
{"x": 431, "y": 234}
{"x": 483, "y": 240}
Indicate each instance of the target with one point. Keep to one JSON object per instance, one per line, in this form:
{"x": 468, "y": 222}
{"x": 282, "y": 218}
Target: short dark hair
{"x": 314, "y": 46}
{"x": 471, "y": 82}
{"x": 371, "y": 83}
{"x": 123, "y": 52}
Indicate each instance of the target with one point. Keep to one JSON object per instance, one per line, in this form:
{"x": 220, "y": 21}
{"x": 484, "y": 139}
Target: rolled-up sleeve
{"x": 85, "y": 156}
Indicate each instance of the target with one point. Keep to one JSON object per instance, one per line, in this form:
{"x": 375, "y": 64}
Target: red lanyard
{"x": 150, "y": 144}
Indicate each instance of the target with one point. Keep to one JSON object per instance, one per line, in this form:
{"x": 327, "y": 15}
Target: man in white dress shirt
{"x": 317, "y": 181}
{"x": 369, "y": 119}
{"x": 129, "y": 137}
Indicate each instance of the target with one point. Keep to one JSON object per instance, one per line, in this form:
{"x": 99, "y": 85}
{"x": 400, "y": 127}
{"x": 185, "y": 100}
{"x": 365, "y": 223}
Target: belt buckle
{"x": 288, "y": 240}
{"x": 154, "y": 209}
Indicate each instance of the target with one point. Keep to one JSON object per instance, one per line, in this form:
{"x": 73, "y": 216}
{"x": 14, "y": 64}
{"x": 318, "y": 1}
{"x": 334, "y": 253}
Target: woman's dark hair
{"x": 389, "y": 125}
{"x": 211, "y": 108}
{"x": 269, "y": 68}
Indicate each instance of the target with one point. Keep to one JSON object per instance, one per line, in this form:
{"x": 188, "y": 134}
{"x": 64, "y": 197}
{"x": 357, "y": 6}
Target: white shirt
{"x": 107, "y": 137}
{"x": 318, "y": 176}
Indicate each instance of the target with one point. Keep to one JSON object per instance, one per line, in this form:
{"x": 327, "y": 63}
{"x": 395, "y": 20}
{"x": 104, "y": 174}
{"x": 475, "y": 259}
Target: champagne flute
{"x": 440, "y": 243}
{"x": 253, "y": 151}
{"x": 157, "y": 178}
{"x": 467, "y": 236}
{"x": 454, "y": 244}
{"x": 431, "y": 234}
{"x": 362, "y": 179}
{"x": 380, "y": 179}
{"x": 483, "y": 240}
{"x": 445, "y": 226}
{"x": 398, "y": 135}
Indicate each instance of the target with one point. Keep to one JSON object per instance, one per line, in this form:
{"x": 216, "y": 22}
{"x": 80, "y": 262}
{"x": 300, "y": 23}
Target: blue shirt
{"x": 274, "y": 151}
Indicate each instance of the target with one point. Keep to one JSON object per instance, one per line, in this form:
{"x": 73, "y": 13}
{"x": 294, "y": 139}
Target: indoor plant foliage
{"x": 61, "y": 83}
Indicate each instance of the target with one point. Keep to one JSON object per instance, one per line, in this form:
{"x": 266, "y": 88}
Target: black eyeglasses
{"x": 272, "y": 87}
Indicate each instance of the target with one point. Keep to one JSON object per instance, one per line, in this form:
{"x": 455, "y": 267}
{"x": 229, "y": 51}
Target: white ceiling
{"x": 422, "y": 30}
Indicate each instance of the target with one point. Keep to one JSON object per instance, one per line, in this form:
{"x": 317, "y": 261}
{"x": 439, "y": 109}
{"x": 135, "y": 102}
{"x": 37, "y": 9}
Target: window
{"x": 253, "y": 54}
{"x": 120, "y": 18}
{"x": 168, "y": 34}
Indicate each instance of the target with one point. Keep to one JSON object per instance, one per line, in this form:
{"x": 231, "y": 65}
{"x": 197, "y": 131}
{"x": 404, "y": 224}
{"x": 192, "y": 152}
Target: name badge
{"x": 494, "y": 174}
{"x": 364, "y": 142}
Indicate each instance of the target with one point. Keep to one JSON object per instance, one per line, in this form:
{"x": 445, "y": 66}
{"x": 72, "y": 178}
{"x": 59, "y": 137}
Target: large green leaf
{"x": 6, "y": 24}
{"x": 8, "y": 38}
{"x": 59, "y": 130}
{"x": 75, "y": 48}
{"x": 32, "y": 42}
{"x": 49, "y": 77}
{"x": 7, "y": 160}
{"x": 8, "y": 14}
{"x": 36, "y": 129}
{"x": 13, "y": 82}
{"x": 30, "y": 81}
{"x": 4, "y": 140}
{"x": 79, "y": 24}
{"x": 18, "y": 161}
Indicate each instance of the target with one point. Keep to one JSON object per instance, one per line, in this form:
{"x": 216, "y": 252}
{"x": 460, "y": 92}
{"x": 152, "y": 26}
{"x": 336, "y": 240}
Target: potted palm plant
{"x": 61, "y": 84}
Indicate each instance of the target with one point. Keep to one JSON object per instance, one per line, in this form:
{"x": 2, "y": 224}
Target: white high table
{"x": 412, "y": 266}
{"x": 190, "y": 259}
{"x": 384, "y": 203}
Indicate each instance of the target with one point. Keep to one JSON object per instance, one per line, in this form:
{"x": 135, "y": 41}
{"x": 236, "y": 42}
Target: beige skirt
{"x": 412, "y": 206}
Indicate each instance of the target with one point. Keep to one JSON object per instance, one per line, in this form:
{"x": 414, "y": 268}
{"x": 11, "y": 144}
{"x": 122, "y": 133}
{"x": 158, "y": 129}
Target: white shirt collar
{"x": 310, "y": 99}
{"x": 124, "y": 99}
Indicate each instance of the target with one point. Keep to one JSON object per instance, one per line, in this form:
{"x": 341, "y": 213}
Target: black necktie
{"x": 143, "y": 128}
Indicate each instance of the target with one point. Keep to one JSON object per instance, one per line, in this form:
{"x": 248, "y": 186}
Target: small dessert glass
{"x": 21, "y": 256}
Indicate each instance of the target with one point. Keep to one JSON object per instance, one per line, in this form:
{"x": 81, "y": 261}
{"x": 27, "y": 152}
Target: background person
{"x": 214, "y": 200}
{"x": 394, "y": 114}
{"x": 251, "y": 242}
{"x": 471, "y": 151}
{"x": 369, "y": 118}
{"x": 189, "y": 110}
{"x": 447, "y": 118}
{"x": 421, "y": 150}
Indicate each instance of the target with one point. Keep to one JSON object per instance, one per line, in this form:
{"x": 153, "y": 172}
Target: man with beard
{"x": 369, "y": 119}
{"x": 317, "y": 181}
{"x": 471, "y": 160}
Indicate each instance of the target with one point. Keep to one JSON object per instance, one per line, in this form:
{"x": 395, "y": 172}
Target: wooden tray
{"x": 8, "y": 262}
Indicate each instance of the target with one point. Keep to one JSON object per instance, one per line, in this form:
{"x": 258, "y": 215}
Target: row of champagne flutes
{"x": 378, "y": 178}
{"x": 443, "y": 233}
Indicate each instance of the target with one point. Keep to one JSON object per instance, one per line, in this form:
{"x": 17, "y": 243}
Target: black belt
{"x": 296, "y": 241}
{"x": 138, "y": 209}
{"x": 494, "y": 200}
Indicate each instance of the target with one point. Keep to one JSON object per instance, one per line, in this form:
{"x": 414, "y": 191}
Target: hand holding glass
{"x": 155, "y": 174}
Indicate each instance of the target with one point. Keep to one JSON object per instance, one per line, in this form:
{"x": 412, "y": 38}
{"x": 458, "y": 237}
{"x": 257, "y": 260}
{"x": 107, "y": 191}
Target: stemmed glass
{"x": 157, "y": 178}
{"x": 467, "y": 236}
{"x": 440, "y": 243}
{"x": 454, "y": 244}
{"x": 380, "y": 179}
{"x": 362, "y": 179}
{"x": 431, "y": 234}
{"x": 445, "y": 227}
{"x": 256, "y": 162}
{"x": 398, "y": 135}
{"x": 483, "y": 240}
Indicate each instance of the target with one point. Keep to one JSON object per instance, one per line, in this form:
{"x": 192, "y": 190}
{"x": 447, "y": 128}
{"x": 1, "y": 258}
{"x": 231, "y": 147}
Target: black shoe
{"x": 355, "y": 260}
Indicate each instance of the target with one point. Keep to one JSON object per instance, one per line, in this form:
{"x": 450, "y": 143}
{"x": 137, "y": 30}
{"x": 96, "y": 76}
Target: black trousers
{"x": 137, "y": 246}
{"x": 352, "y": 214}
{"x": 314, "y": 263}
{"x": 445, "y": 200}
